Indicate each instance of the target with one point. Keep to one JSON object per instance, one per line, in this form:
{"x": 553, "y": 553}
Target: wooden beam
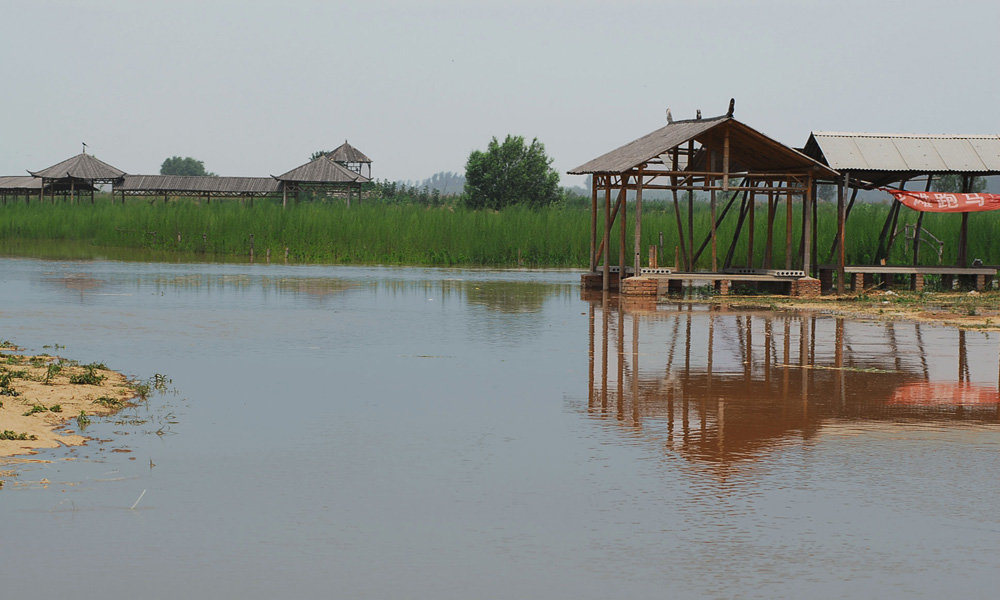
{"x": 718, "y": 221}
{"x": 736, "y": 236}
{"x": 769, "y": 238}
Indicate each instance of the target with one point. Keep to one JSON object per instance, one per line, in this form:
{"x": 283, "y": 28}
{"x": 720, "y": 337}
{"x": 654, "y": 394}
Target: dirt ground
{"x": 968, "y": 310}
{"x": 46, "y": 401}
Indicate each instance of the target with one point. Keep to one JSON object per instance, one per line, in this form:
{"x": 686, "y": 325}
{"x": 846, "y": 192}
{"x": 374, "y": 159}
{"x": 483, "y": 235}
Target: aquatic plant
{"x": 88, "y": 377}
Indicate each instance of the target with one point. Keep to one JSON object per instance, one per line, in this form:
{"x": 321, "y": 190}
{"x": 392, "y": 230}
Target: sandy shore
{"x": 43, "y": 398}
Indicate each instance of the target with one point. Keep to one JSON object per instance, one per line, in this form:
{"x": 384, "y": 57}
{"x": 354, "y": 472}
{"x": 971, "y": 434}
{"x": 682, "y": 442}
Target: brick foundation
{"x": 807, "y": 287}
{"x": 640, "y": 286}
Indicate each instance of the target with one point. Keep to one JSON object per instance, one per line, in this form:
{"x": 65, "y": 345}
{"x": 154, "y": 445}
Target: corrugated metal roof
{"x": 199, "y": 184}
{"x": 20, "y": 182}
{"x": 81, "y": 166}
{"x": 906, "y": 153}
{"x": 348, "y": 153}
{"x": 322, "y": 170}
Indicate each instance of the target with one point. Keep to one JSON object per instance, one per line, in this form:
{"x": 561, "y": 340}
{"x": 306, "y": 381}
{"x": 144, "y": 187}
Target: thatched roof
{"x": 748, "y": 149}
{"x": 198, "y": 184}
{"x": 81, "y": 166}
{"x": 347, "y": 153}
{"x": 322, "y": 170}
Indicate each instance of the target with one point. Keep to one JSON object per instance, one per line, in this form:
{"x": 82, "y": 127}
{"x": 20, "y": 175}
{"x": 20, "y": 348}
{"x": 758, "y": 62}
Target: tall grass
{"x": 411, "y": 234}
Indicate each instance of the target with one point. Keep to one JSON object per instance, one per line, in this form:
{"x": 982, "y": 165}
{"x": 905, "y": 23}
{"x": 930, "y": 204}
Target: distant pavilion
{"x": 337, "y": 173}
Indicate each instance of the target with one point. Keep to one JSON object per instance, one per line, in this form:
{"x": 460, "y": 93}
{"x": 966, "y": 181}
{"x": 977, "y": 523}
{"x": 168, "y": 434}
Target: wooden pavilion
{"x": 82, "y": 172}
{"x": 351, "y": 158}
{"x": 877, "y": 160}
{"x": 324, "y": 174}
{"x": 714, "y": 155}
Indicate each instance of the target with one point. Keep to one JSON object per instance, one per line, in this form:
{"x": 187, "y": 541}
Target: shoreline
{"x": 47, "y": 401}
{"x": 963, "y": 310}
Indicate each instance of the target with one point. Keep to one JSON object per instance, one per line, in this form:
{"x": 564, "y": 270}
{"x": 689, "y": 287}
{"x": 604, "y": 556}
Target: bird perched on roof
{"x": 670, "y": 117}
{"x": 732, "y": 107}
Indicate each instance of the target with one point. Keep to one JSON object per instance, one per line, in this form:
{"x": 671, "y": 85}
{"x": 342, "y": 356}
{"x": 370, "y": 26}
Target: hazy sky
{"x": 253, "y": 87}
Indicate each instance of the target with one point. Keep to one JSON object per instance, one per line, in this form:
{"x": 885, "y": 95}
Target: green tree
{"x": 510, "y": 173}
{"x": 175, "y": 165}
{"x": 952, "y": 183}
{"x": 318, "y": 154}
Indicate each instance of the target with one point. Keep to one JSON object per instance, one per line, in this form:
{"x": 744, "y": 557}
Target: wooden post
{"x": 677, "y": 211}
{"x": 916, "y": 230}
{"x": 690, "y": 206}
{"x": 842, "y": 186}
{"x": 607, "y": 235}
{"x": 963, "y": 232}
{"x": 593, "y": 223}
{"x": 807, "y": 228}
{"x": 622, "y": 231}
{"x": 752, "y": 206}
{"x": 637, "y": 229}
{"x": 769, "y": 239}
{"x": 284, "y": 196}
{"x": 788, "y": 229}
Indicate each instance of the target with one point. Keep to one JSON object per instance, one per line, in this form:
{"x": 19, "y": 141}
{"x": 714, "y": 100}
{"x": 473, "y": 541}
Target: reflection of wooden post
{"x": 767, "y": 353}
{"x": 604, "y": 351}
{"x": 788, "y": 342}
{"x": 590, "y": 387}
{"x": 620, "y": 346}
{"x": 635, "y": 369}
{"x": 748, "y": 365}
{"x": 804, "y": 361}
{"x": 963, "y": 359}
{"x": 838, "y": 361}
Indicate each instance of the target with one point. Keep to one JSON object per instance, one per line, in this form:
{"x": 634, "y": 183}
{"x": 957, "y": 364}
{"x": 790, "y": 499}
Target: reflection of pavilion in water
{"x": 720, "y": 386}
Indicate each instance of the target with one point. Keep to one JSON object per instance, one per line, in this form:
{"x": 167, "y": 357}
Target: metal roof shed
{"x": 872, "y": 160}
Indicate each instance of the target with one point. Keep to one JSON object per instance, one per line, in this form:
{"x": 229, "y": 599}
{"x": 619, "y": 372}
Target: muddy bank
{"x": 46, "y": 401}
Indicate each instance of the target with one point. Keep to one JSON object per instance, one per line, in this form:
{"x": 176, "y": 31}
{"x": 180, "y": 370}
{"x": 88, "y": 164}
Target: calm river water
{"x": 339, "y": 432}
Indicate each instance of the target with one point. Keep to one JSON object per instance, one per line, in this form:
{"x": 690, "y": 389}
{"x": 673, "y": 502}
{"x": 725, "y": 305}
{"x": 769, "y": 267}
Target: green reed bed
{"x": 380, "y": 233}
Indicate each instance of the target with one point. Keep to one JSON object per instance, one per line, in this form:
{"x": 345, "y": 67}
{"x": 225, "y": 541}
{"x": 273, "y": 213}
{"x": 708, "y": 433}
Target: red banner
{"x": 945, "y": 202}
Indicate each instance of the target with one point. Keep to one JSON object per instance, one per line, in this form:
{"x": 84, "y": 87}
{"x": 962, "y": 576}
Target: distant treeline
{"x": 379, "y": 231}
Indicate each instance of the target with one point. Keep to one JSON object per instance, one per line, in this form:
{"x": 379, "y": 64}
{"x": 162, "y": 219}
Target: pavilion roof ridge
{"x": 348, "y": 153}
{"x": 322, "y": 169}
{"x": 81, "y": 166}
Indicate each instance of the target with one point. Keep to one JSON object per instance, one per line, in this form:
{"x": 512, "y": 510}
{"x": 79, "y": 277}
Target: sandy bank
{"x": 43, "y": 398}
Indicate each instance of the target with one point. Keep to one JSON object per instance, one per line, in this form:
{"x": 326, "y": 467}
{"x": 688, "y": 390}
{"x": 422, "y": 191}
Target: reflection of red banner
{"x": 944, "y": 394}
{"x": 945, "y": 202}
